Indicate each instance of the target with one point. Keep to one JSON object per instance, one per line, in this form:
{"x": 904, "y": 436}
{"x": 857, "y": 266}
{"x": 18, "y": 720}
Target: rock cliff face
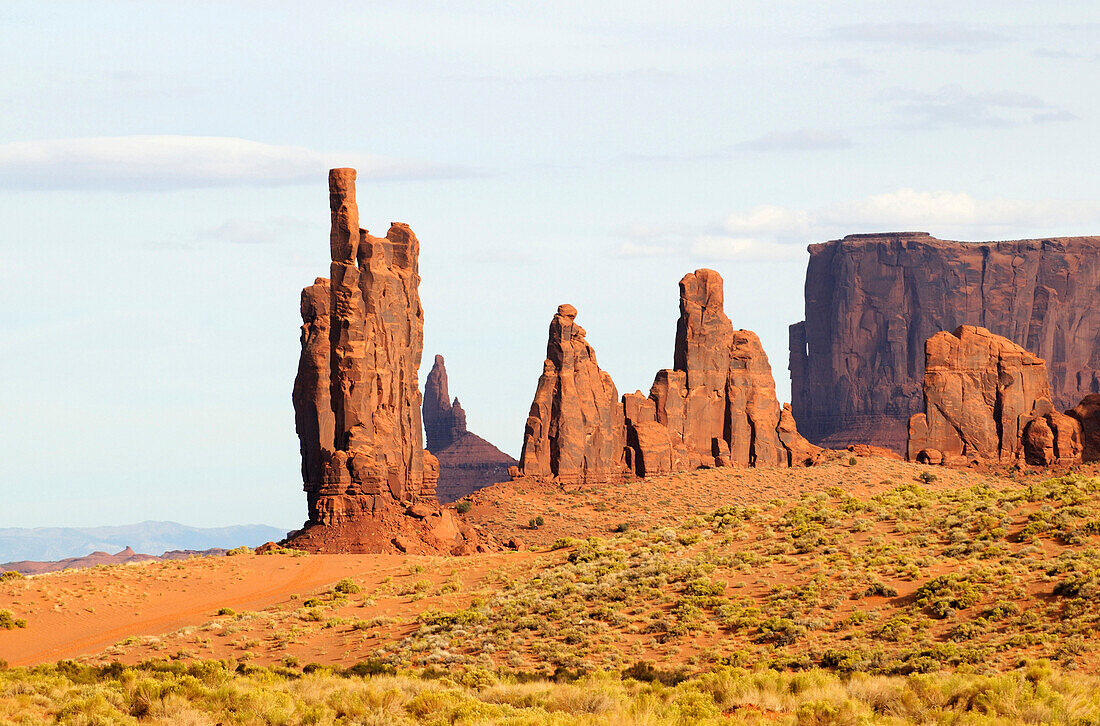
{"x": 857, "y": 361}
{"x": 467, "y": 462}
{"x": 980, "y": 393}
{"x": 574, "y": 433}
{"x": 717, "y": 405}
{"x": 370, "y": 485}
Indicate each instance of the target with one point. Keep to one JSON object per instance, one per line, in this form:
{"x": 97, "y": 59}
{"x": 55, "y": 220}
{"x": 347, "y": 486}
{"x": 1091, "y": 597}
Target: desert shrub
{"x": 10, "y": 575}
{"x": 464, "y": 506}
{"x": 945, "y": 594}
{"x": 371, "y": 667}
{"x": 459, "y": 618}
{"x": 1085, "y": 585}
{"x": 10, "y": 622}
{"x": 622, "y": 527}
{"x": 346, "y": 586}
{"x": 878, "y": 589}
{"x": 781, "y": 631}
{"x": 242, "y": 550}
{"x": 927, "y": 477}
{"x": 226, "y": 611}
{"x": 646, "y": 672}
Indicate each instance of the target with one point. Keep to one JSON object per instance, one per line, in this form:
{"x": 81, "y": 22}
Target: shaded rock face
{"x": 857, "y": 361}
{"x": 981, "y": 393}
{"x": 1087, "y": 415}
{"x": 467, "y": 462}
{"x": 574, "y": 433}
{"x": 717, "y": 405}
{"x": 356, "y": 397}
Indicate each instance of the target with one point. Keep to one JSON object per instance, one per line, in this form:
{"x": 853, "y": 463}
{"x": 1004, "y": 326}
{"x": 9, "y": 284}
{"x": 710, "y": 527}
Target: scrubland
{"x": 893, "y": 593}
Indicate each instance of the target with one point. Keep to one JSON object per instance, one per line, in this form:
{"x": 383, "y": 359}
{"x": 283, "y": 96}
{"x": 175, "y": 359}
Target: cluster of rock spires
{"x": 987, "y": 399}
{"x": 857, "y": 360}
{"x": 467, "y": 462}
{"x": 370, "y": 484}
{"x": 715, "y": 407}
{"x": 972, "y": 395}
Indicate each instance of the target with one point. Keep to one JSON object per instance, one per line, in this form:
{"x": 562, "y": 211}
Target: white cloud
{"x": 800, "y": 140}
{"x": 773, "y": 233}
{"x": 769, "y": 220}
{"x": 942, "y": 212}
{"x": 181, "y": 162}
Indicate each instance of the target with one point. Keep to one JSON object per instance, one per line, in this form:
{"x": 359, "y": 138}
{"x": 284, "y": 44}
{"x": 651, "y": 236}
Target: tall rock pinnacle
{"x": 357, "y": 399}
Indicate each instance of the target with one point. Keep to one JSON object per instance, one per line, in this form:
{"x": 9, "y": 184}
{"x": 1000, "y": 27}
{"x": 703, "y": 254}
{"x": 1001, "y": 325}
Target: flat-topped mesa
{"x": 574, "y": 433}
{"x": 857, "y": 360}
{"x": 370, "y": 485}
{"x": 988, "y": 399}
{"x": 467, "y": 462}
{"x": 717, "y": 405}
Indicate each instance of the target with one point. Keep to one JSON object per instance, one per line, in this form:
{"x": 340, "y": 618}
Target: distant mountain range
{"x": 153, "y": 538}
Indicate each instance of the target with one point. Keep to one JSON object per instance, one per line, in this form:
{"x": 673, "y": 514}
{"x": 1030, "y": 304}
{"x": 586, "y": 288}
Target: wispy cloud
{"x": 957, "y": 37}
{"x": 182, "y": 162}
{"x": 253, "y": 231}
{"x": 847, "y": 66}
{"x": 773, "y": 233}
{"x": 800, "y": 140}
{"x": 954, "y": 106}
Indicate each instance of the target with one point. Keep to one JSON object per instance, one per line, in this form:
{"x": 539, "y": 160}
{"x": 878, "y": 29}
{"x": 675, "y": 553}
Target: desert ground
{"x": 858, "y": 563}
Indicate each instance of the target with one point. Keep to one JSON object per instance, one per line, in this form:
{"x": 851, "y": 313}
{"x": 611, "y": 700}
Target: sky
{"x": 163, "y": 199}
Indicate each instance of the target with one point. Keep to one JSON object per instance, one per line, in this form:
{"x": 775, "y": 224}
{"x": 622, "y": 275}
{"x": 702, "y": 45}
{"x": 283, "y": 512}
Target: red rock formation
{"x": 370, "y": 487}
{"x": 1051, "y": 438}
{"x": 467, "y": 462}
{"x": 1087, "y": 414}
{"x": 857, "y": 361}
{"x": 574, "y": 431}
{"x": 980, "y": 393}
{"x": 718, "y": 404}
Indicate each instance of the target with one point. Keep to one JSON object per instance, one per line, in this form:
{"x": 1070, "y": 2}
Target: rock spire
{"x": 467, "y": 462}
{"x": 370, "y": 485}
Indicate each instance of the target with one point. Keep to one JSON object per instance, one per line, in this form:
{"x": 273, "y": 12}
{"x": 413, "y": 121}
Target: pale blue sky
{"x": 163, "y": 199}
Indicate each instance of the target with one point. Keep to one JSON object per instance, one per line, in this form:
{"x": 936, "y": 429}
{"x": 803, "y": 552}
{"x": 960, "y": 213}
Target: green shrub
{"x": 346, "y": 587}
{"x": 10, "y": 622}
{"x": 227, "y": 611}
{"x": 945, "y": 594}
{"x": 10, "y": 575}
{"x": 464, "y": 506}
{"x": 242, "y": 550}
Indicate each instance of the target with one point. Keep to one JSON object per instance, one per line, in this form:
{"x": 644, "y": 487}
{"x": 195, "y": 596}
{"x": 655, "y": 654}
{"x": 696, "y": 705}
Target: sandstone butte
{"x": 467, "y": 462}
{"x": 716, "y": 406}
{"x": 370, "y": 486}
{"x": 857, "y": 360}
{"x": 988, "y": 399}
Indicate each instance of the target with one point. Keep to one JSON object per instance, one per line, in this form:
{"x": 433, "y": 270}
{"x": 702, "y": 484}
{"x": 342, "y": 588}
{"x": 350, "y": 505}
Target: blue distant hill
{"x": 153, "y": 538}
